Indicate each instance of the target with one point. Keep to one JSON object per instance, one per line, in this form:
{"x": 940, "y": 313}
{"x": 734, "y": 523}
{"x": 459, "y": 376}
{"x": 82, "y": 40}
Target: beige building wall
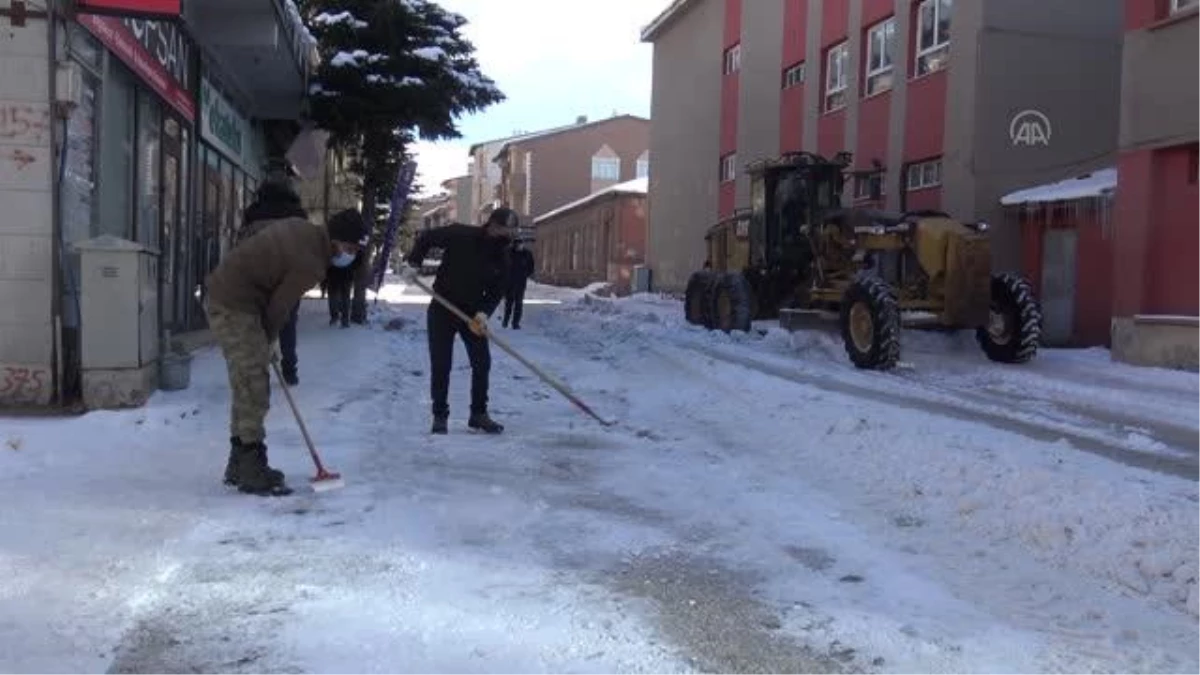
{"x": 27, "y": 334}
{"x": 333, "y": 189}
{"x": 685, "y": 114}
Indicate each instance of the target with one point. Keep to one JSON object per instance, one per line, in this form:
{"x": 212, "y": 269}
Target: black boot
{"x": 255, "y": 476}
{"x": 231, "y": 467}
{"x": 291, "y": 377}
{"x": 441, "y": 425}
{"x": 481, "y": 422}
{"x": 231, "y": 473}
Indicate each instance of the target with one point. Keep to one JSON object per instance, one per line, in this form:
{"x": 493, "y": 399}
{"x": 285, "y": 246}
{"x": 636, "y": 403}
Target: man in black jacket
{"x": 518, "y": 276}
{"x": 340, "y": 284}
{"x": 277, "y": 199}
{"x": 471, "y": 276}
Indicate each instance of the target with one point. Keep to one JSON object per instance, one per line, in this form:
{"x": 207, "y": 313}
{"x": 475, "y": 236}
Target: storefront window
{"x": 149, "y": 132}
{"x": 184, "y": 309}
{"x": 229, "y": 210}
{"x": 211, "y": 235}
{"x": 116, "y": 153}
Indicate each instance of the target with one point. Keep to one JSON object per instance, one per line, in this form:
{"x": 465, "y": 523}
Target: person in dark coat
{"x": 472, "y": 277}
{"x": 519, "y": 271}
{"x": 275, "y": 200}
{"x": 340, "y": 284}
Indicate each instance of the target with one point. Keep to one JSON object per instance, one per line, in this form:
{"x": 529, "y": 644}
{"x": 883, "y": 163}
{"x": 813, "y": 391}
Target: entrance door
{"x": 1058, "y": 286}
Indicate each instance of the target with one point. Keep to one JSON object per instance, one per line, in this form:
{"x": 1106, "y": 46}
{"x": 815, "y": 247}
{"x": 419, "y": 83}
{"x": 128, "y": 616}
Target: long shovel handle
{"x": 312, "y": 448}
{"x": 503, "y": 344}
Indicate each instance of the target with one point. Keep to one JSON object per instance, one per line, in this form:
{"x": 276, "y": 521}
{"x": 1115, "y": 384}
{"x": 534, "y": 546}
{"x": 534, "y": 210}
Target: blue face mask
{"x": 342, "y": 259}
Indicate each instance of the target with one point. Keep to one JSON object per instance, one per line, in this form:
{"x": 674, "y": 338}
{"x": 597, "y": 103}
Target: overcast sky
{"x": 554, "y": 60}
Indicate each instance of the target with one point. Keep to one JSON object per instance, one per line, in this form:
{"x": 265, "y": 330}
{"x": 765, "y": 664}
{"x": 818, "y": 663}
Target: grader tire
{"x": 870, "y": 320}
{"x": 1014, "y": 330}
{"x": 697, "y": 302}
{"x": 732, "y": 303}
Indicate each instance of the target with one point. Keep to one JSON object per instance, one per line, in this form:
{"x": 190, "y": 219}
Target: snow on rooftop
{"x": 637, "y": 186}
{"x": 1092, "y": 184}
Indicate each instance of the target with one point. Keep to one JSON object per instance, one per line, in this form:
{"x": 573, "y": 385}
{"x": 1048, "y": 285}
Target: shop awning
{"x": 260, "y": 44}
{"x": 1093, "y": 184}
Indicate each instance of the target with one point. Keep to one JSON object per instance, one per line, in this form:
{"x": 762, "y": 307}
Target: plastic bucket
{"x": 175, "y": 372}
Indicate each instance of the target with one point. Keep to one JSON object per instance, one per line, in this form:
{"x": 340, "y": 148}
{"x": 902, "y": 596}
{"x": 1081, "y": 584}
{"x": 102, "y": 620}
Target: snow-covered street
{"x": 761, "y": 506}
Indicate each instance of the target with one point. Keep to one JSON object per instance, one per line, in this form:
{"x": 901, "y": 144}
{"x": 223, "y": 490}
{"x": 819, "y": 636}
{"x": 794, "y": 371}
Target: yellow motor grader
{"x": 797, "y": 252}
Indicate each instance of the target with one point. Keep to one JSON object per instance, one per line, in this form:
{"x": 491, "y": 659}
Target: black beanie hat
{"x": 348, "y": 226}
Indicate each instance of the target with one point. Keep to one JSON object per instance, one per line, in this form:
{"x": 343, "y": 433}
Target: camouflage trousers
{"x": 247, "y": 354}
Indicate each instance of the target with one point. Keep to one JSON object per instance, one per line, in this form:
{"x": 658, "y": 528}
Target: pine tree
{"x": 391, "y": 70}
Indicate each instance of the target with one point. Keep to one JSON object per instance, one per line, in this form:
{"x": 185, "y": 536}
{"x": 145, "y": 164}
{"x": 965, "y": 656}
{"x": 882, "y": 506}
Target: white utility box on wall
{"x": 119, "y": 327}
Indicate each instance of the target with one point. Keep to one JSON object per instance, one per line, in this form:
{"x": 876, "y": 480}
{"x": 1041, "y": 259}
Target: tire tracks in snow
{"x": 918, "y": 394}
{"x": 1180, "y": 467}
{"x": 1078, "y": 634}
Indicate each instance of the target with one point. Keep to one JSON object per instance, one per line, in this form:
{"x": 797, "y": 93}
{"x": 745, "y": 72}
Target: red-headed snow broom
{"x": 325, "y": 480}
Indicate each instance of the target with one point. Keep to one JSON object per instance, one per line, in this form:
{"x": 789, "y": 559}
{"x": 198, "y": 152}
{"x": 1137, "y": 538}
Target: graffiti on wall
{"x": 24, "y": 124}
{"x": 24, "y": 385}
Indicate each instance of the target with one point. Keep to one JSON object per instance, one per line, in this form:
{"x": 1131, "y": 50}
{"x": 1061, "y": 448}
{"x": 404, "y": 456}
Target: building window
{"x": 922, "y": 175}
{"x": 933, "y": 35}
{"x": 881, "y": 49}
{"x": 863, "y": 186}
{"x": 733, "y": 59}
{"x": 836, "y": 61}
{"x": 1183, "y": 5}
{"x": 149, "y": 152}
{"x": 117, "y": 142}
{"x": 729, "y": 167}
{"x": 643, "y": 166}
{"x": 793, "y": 76}
{"x": 606, "y": 168}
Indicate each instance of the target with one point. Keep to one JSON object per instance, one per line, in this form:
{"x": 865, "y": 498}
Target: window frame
{"x": 922, "y": 54}
{"x": 642, "y": 170}
{"x": 832, "y": 93}
{"x": 601, "y": 161}
{"x": 727, "y": 173}
{"x": 862, "y": 186}
{"x": 794, "y": 75}
{"x": 888, "y": 57}
{"x": 922, "y": 169}
{"x": 732, "y": 59}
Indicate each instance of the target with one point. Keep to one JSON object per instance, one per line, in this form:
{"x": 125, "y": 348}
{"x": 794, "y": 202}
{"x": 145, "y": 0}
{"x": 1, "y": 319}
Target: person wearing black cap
{"x": 250, "y": 296}
{"x": 472, "y": 277}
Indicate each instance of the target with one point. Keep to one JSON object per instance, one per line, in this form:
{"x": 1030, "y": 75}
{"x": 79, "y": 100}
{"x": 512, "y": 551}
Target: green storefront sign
{"x": 222, "y": 125}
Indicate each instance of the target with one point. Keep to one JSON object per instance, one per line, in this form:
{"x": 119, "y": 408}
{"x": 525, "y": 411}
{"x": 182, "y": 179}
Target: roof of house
{"x": 1092, "y": 184}
{"x": 503, "y": 139}
{"x": 664, "y": 19}
{"x": 539, "y": 135}
{"x": 637, "y": 186}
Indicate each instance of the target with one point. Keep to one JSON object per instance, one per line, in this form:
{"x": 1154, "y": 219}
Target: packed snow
{"x": 759, "y": 506}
